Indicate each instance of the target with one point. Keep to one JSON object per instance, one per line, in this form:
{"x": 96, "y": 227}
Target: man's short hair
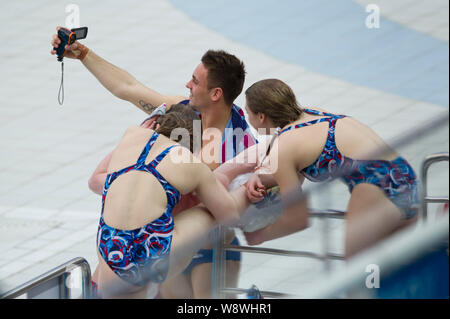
{"x": 225, "y": 71}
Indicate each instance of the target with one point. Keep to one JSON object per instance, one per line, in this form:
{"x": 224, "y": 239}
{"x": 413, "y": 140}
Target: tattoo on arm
{"x": 147, "y": 107}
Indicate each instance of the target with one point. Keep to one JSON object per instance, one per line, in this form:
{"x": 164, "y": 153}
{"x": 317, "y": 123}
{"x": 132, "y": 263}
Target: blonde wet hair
{"x": 275, "y": 99}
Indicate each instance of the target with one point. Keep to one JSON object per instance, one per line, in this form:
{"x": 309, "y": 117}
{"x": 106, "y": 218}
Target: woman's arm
{"x": 225, "y": 206}
{"x": 245, "y": 162}
{"x": 224, "y": 174}
{"x": 97, "y": 180}
{"x": 257, "y": 185}
{"x": 294, "y": 217}
{"x": 227, "y": 172}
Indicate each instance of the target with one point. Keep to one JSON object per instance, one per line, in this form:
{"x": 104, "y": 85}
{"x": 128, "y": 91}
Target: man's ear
{"x": 216, "y": 94}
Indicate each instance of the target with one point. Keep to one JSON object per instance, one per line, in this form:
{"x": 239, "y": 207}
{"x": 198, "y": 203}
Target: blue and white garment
{"x": 237, "y": 135}
{"x": 141, "y": 255}
{"x": 396, "y": 178}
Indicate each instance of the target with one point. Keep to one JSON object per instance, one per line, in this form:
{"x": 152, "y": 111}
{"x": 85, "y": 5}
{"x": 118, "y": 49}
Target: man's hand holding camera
{"x": 73, "y": 51}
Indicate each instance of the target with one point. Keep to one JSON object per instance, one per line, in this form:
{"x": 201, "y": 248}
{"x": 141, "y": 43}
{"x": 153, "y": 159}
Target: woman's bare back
{"x": 353, "y": 139}
{"x": 136, "y": 197}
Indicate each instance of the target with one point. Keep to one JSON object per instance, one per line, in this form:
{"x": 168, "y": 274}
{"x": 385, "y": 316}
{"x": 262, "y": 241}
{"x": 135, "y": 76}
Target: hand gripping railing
{"x": 430, "y": 160}
{"x": 58, "y": 272}
{"x": 219, "y": 264}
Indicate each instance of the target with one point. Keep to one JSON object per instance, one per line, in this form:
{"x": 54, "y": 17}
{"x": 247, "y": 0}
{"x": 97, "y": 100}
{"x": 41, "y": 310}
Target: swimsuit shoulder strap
{"x": 173, "y": 195}
{"x": 304, "y": 124}
{"x": 161, "y": 156}
{"x": 147, "y": 148}
{"x": 316, "y": 112}
{"x": 331, "y": 118}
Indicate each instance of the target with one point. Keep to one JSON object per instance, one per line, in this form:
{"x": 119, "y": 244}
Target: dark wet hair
{"x": 225, "y": 71}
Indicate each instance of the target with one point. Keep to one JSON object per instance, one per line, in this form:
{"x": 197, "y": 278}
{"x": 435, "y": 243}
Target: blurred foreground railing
{"x": 410, "y": 264}
{"x": 426, "y": 199}
{"x": 219, "y": 264}
{"x": 53, "y": 284}
{"x": 420, "y": 254}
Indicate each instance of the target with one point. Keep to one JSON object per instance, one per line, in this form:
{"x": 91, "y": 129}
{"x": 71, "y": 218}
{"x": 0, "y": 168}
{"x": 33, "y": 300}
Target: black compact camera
{"x": 68, "y": 37}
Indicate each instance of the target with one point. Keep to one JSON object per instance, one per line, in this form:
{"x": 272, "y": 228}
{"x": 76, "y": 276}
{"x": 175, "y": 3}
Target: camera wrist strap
{"x": 61, "y": 87}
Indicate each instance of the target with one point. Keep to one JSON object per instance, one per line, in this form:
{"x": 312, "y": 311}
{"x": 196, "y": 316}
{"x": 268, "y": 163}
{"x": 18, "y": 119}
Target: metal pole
{"x": 218, "y": 266}
{"x": 326, "y": 243}
{"x": 265, "y": 293}
{"x": 325, "y": 203}
{"x": 282, "y": 252}
{"x": 429, "y": 160}
{"x": 56, "y": 272}
{"x": 390, "y": 255}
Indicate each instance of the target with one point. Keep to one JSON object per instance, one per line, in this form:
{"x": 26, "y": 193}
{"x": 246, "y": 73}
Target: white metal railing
{"x": 36, "y": 286}
{"x": 426, "y": 199}
{"x": 219, "y": 250}
{"x": 407, "y": 246}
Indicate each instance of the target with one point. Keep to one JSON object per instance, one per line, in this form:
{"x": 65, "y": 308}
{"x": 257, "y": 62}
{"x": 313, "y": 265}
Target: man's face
{"x": 198, "y": 87}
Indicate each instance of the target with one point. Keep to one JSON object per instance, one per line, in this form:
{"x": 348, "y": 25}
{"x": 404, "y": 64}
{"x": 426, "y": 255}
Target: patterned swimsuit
{"x": 396, "y": 178}
{"x": 140, "y": 255}
{"x": 236, "y": 138}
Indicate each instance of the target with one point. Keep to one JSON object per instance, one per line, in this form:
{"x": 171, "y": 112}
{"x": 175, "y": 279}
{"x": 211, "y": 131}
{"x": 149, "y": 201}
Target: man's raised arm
{"x": 119, "y": 82}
